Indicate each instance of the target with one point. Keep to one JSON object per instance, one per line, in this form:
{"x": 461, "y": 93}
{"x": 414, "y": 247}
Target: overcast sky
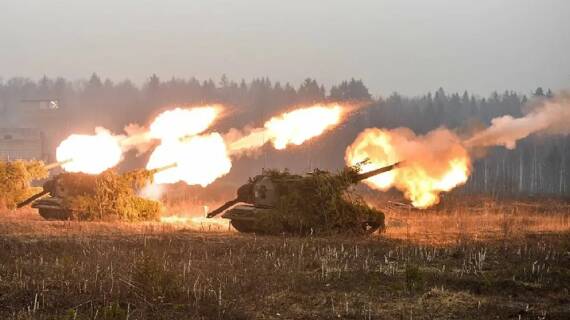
{"x": 410, "y": 46}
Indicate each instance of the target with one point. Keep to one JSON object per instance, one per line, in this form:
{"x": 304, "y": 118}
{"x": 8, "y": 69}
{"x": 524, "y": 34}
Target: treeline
{"x": 104, "y": 102}
{"x": 539, "y": 165}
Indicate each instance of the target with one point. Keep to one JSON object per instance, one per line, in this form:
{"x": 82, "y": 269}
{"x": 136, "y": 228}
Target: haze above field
{"x": 408, "y": 46}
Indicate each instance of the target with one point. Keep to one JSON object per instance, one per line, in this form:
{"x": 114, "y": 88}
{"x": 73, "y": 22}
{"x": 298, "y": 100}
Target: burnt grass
{"x": 181, "y": 274}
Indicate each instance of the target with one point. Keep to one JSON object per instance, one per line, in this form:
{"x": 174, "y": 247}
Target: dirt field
{"x": 475, "y": 259}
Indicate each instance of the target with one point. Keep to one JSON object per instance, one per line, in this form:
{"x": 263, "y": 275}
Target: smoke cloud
{"x": 551, "y": 117}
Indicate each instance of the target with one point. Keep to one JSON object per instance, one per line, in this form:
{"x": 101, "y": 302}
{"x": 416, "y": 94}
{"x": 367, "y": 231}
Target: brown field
{"x": 469, "y": 259}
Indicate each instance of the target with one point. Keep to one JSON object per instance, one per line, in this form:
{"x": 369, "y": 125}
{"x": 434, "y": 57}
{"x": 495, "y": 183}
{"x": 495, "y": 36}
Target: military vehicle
{"x": 16, "y": 180}
{"x": 278, "y": 202}
{"x": 80, "y": 196}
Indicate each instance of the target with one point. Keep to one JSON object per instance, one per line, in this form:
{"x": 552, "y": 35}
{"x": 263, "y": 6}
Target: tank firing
{"x": 264, "y": 204}
{"x": 246, "y": 193}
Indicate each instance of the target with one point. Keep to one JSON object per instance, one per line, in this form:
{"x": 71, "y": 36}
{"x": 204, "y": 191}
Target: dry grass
{"x": 487, "y": 220}
{"x": 80, "y": 270}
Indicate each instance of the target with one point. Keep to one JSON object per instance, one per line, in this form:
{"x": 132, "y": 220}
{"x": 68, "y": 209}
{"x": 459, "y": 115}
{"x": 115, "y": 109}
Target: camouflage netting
{"x": 109, "y": 196}
{"x": 322, "y": 203}
{"x": 15, "y": 181}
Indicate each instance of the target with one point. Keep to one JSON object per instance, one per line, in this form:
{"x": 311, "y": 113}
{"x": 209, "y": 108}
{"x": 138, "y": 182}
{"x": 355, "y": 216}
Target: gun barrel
{"x": 54, "y": 165}
{"x": 223, "y": 208}
{"x": 164, "y": 168}
{"x": 369, "y": 174}
{"x": 31, "y": 199}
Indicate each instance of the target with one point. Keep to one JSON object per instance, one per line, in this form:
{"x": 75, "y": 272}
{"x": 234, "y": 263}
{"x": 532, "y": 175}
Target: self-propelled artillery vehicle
{"x": 108, "y": 195}
{"x": 319, "y": 202}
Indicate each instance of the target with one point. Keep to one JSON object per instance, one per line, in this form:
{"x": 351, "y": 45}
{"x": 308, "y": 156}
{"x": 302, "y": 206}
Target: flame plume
{"x": 434, "y": 163}
{"x": 290, "y": 128}
{"x": 300, "y": 125}
{"x": 178, "y": 122}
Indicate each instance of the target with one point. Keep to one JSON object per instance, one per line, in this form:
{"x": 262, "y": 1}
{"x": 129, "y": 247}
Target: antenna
{"x": 264, "y": 151}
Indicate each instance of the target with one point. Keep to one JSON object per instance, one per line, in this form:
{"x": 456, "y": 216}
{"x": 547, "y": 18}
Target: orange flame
{"x": 91, "y": 154}
{"x": 300, "y": 125}
{"x": 291, "y": 128}
{"x": 178, "y": 123}
{"x": 434, "y": 163}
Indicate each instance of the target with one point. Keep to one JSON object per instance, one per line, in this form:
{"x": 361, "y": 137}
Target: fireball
{"x": 373, "y": 149}
{"x": 200, "y": 160}
{"x": 91, "y": 154}
{"x": 434, "y": 163}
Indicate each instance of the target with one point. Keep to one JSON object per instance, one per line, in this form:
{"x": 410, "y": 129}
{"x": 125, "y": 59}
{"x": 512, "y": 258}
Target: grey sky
{"x": 411, "y": 46}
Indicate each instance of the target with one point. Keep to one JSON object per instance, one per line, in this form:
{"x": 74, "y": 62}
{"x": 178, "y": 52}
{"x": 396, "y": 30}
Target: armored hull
{"x": 250, "y": 219}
